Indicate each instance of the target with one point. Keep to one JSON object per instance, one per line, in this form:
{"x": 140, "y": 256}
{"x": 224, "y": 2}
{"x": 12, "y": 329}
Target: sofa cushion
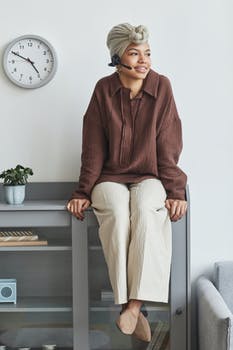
{"x": 223, "y": 280}
{"x": 215, "y": 321}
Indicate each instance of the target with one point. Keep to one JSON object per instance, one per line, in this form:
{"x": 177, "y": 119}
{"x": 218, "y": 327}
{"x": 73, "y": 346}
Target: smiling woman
{"x": 137, "y": 52}
{"x": 137, "y": 57}
{"x": 132, "y": 139}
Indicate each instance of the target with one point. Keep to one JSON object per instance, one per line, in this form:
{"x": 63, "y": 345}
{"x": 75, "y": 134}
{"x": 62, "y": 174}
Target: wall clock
{"x": 30, "y": 61}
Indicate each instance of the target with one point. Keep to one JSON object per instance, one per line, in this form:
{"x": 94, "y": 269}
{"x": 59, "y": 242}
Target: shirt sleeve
{"x": 169, "y": 146}
{"x": 94, "y": 146}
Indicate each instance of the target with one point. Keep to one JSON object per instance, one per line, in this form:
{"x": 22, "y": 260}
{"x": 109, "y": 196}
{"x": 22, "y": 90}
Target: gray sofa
{"x": 215, "y": 308}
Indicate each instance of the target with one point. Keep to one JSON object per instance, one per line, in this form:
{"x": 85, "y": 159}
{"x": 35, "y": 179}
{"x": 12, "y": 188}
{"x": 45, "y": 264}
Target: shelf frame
{"x": 46, "y": 204}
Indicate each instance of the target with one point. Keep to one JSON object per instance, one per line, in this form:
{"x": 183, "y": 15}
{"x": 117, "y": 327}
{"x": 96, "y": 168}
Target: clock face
{"x": 30, "y": 61}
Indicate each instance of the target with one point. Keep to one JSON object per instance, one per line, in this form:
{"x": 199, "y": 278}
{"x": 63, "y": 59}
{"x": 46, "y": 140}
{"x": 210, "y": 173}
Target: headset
{"x": 116, "y": 60}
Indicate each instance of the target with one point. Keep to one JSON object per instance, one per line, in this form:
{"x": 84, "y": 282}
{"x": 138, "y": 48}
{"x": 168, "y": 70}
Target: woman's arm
{"x": 94, "y": 150}
{"x": 169, "y": 146}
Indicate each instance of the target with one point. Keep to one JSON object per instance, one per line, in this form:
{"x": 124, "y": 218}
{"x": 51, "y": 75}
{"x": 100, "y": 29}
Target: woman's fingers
{"x": 174, "y": 207}
{"x": 86, "y": 204}
{"x": 77, "y": 206}
{"x": 176, "y": 214}
{"x": 71, "y": 206}
{"x": 177, "y": 209}
{"x": 78, "y": 210}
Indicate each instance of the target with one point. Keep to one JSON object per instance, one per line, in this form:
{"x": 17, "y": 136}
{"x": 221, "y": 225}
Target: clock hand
{"x": 32, "y": 63}
{"x": 15, "y": 53}
{"x": 26, "y": 59}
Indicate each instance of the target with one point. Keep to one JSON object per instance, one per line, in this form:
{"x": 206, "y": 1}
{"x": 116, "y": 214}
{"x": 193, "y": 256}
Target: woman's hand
{"x": 177, "y": 208}
{"x": 77, "y": 206}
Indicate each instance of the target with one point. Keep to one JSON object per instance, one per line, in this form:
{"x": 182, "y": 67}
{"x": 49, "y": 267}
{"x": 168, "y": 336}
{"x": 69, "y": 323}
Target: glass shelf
{"x": 95, "y": 248}
{"x": 108, "y": 336}
{"x": 98, "y": 305}
{"x": 32, "y": 329}
{"x": 38, "y": 304}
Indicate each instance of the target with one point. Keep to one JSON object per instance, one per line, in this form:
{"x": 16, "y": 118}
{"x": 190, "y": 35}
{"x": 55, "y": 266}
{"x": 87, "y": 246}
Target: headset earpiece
{"x": 115, "y": 60}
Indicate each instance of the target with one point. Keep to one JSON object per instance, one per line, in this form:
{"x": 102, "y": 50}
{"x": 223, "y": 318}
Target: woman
{"x": 132, "y": 140}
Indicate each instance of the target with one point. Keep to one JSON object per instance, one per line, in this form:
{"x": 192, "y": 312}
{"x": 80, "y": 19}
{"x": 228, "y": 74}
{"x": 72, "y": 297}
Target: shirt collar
{"x": 150, "y": 83}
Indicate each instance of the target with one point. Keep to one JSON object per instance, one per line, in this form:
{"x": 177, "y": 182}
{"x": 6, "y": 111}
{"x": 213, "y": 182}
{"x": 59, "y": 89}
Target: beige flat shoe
{"x": 127, "y": 322}
{"x": 142, "y": 330}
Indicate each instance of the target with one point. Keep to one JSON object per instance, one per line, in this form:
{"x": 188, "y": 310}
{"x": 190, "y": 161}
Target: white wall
{"x": 191, "y": 43}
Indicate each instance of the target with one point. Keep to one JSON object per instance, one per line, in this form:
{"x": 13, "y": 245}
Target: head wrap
{"x": 122, "y": 35}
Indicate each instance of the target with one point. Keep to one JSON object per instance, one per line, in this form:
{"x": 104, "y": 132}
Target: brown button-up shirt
{"x": 128, "y": 140}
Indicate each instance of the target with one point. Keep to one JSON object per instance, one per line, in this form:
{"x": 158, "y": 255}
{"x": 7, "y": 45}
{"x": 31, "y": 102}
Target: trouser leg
{"x": 110, "y": 202}
{"x": 150, "y": 249}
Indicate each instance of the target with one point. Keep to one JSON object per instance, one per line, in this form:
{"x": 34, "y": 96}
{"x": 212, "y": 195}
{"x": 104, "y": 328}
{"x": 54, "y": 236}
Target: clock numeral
{"x": 12, "y": 61}
{"x": 47, "y": 61}
{"x": 15, "y": 69}
{"x": 30, "y": 78}
{"x": 45, "y": 69}
{"x": 44, "y": 52}
{"x": 30, "y": 44}
{"x": 21, "y": 47}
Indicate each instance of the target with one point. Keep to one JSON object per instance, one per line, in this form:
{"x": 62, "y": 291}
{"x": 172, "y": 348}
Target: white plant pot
{"x": 14, "y": 194}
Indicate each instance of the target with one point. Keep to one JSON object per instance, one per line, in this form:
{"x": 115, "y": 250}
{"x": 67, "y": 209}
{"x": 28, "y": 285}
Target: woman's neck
{"x": 134, "y": 85}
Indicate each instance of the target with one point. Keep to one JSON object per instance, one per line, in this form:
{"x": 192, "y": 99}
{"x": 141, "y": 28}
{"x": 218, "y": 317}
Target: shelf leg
{"x": 80, "y": 284}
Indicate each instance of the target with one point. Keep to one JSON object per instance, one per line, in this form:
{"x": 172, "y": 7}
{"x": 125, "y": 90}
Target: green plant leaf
{"x": 16, "y": 176}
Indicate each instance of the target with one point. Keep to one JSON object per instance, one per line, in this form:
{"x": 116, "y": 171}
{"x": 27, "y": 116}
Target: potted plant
{"x": 14, "y": 183}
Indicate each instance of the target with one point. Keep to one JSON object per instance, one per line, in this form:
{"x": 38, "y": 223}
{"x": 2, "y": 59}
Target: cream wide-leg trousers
{"x": 136, "y": 236}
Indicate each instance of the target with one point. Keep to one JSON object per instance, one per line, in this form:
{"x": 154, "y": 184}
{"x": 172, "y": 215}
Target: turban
{"x": 123, "y": 35}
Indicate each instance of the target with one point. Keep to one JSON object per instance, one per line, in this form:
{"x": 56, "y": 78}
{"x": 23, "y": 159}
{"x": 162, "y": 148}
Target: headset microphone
{"x": 124, "y": 65}
{"x": 116, "y": 60}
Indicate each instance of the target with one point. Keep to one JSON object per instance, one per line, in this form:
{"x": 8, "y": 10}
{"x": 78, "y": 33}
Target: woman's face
{"x": 136, "y": 56}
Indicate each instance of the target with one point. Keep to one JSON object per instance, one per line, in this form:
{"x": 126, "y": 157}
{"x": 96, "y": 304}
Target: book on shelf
{"x": 163, "y": 338}
{"x": 17, "y": 236}
{"x": 155, "y": 335}
{"x": 11, "y": 238}
{"x": 160, "y": 336}
{"x": 23, "y": 243}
